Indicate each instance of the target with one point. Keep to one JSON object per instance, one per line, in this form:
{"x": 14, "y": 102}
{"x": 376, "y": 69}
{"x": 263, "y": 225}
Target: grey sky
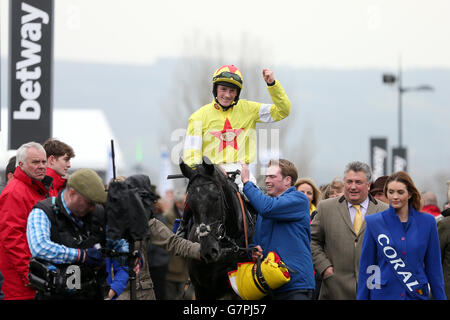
{"x": 299, "y": 35}
{"x": 326, "y": 33}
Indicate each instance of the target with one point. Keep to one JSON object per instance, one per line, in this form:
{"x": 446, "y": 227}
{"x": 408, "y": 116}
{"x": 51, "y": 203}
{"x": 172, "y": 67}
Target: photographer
{"x": 64, "y": 234}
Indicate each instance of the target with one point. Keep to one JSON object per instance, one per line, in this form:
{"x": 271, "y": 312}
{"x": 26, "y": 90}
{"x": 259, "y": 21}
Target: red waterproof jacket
{"x": 58, "y": 182}
{"x": 16, "y": 202}
{"x": 432, "y": 209}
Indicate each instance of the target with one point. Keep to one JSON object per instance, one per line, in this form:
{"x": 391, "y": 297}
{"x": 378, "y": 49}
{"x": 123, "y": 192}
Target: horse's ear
{"x": 185, "y": 169}
{"x": 208, "y": 165}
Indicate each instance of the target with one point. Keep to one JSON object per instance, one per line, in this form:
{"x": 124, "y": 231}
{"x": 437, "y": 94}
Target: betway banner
{"x": 399, "y": 159}
{"x": 30, "y": 71}
{"x": 378, "y": 157}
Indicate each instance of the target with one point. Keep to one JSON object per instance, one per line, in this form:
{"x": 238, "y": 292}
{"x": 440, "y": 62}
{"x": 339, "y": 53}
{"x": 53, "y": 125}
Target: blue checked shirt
{"x": 38, "y": 236}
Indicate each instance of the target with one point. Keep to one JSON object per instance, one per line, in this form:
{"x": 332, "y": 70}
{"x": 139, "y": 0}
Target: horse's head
{"x": 207, "y": 202}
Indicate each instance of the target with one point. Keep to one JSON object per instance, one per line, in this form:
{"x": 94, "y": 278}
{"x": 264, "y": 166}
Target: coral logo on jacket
{"x": 227, "y": 135}
{"x": 398, "y": 264}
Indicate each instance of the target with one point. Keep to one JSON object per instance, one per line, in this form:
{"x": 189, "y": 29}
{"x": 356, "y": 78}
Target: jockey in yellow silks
{"x": 225, "y": 129}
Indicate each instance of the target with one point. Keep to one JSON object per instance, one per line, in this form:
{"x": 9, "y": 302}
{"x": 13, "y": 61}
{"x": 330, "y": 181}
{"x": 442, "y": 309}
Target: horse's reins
{"x": 244, "y": 221}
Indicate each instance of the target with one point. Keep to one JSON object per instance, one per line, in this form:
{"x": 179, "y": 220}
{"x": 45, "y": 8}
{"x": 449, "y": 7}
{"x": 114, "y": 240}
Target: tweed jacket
{"x": 335, "y": 243}
{"x": 162, "y": 236}
{"x": 178, "y": 267}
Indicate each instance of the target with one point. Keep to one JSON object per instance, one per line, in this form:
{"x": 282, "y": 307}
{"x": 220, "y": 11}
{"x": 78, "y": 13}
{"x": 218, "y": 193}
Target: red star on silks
{"x": 228, "y": 135}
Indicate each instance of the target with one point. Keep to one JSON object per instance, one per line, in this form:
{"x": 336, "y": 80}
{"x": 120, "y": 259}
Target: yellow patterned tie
{"x": 357, "y": 222}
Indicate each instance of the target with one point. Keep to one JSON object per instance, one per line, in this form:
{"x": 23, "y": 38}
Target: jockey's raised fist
{"x": 268, "y": 76}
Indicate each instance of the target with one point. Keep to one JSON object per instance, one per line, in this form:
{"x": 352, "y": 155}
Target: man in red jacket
{"x": 429, "y": 204}
{"x": 28, "y": 186}
{"x": 58, "y": 162}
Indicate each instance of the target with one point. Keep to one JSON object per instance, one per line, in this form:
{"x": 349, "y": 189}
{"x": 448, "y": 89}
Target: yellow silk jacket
{"x": 230, "y": 136}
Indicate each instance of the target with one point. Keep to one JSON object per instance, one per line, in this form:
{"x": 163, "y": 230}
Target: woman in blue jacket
{"x": 400, "y": 256}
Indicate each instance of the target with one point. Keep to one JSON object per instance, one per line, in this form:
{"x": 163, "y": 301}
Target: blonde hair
{"x": 316, "y": 192}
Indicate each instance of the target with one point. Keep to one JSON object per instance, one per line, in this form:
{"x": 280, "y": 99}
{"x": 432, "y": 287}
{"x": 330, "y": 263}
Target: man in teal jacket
{"x": 282, "y": 226}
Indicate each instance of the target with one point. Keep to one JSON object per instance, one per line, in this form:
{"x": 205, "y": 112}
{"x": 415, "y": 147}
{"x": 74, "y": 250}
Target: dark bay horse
{"x": 221, "y": 224}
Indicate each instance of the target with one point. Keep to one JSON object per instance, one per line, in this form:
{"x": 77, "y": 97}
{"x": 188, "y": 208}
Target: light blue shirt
{"x": 38, "y": 236}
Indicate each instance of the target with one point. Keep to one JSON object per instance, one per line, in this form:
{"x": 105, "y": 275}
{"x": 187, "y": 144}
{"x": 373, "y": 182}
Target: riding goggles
{"x": 227, "y": 75}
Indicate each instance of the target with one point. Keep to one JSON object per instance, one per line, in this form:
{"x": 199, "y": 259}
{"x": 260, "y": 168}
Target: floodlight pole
{"x": 400, "y": 93}
{"x": 397, "y": 79}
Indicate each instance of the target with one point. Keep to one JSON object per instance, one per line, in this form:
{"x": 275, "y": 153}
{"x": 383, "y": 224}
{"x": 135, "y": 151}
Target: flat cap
{"x": 89, "y": 184}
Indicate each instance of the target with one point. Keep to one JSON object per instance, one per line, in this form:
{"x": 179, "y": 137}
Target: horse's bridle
{"x": 203, "y": 229}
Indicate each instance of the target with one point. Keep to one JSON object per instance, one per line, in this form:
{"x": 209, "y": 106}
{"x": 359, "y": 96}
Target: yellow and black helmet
{"x": 230, "y": 76}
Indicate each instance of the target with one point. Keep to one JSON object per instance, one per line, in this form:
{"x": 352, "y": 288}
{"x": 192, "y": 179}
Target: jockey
{"x": 225, "y": 129}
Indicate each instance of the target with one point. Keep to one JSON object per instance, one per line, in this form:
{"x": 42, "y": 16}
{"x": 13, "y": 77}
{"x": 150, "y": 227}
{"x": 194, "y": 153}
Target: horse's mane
{"x": 228, "y": 187}
{"x": 217, "y": 176}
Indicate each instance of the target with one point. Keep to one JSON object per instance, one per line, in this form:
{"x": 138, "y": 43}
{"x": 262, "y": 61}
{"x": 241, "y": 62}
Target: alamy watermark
{"x": 73, "y": 277}
{"x": 374, "y": 280}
